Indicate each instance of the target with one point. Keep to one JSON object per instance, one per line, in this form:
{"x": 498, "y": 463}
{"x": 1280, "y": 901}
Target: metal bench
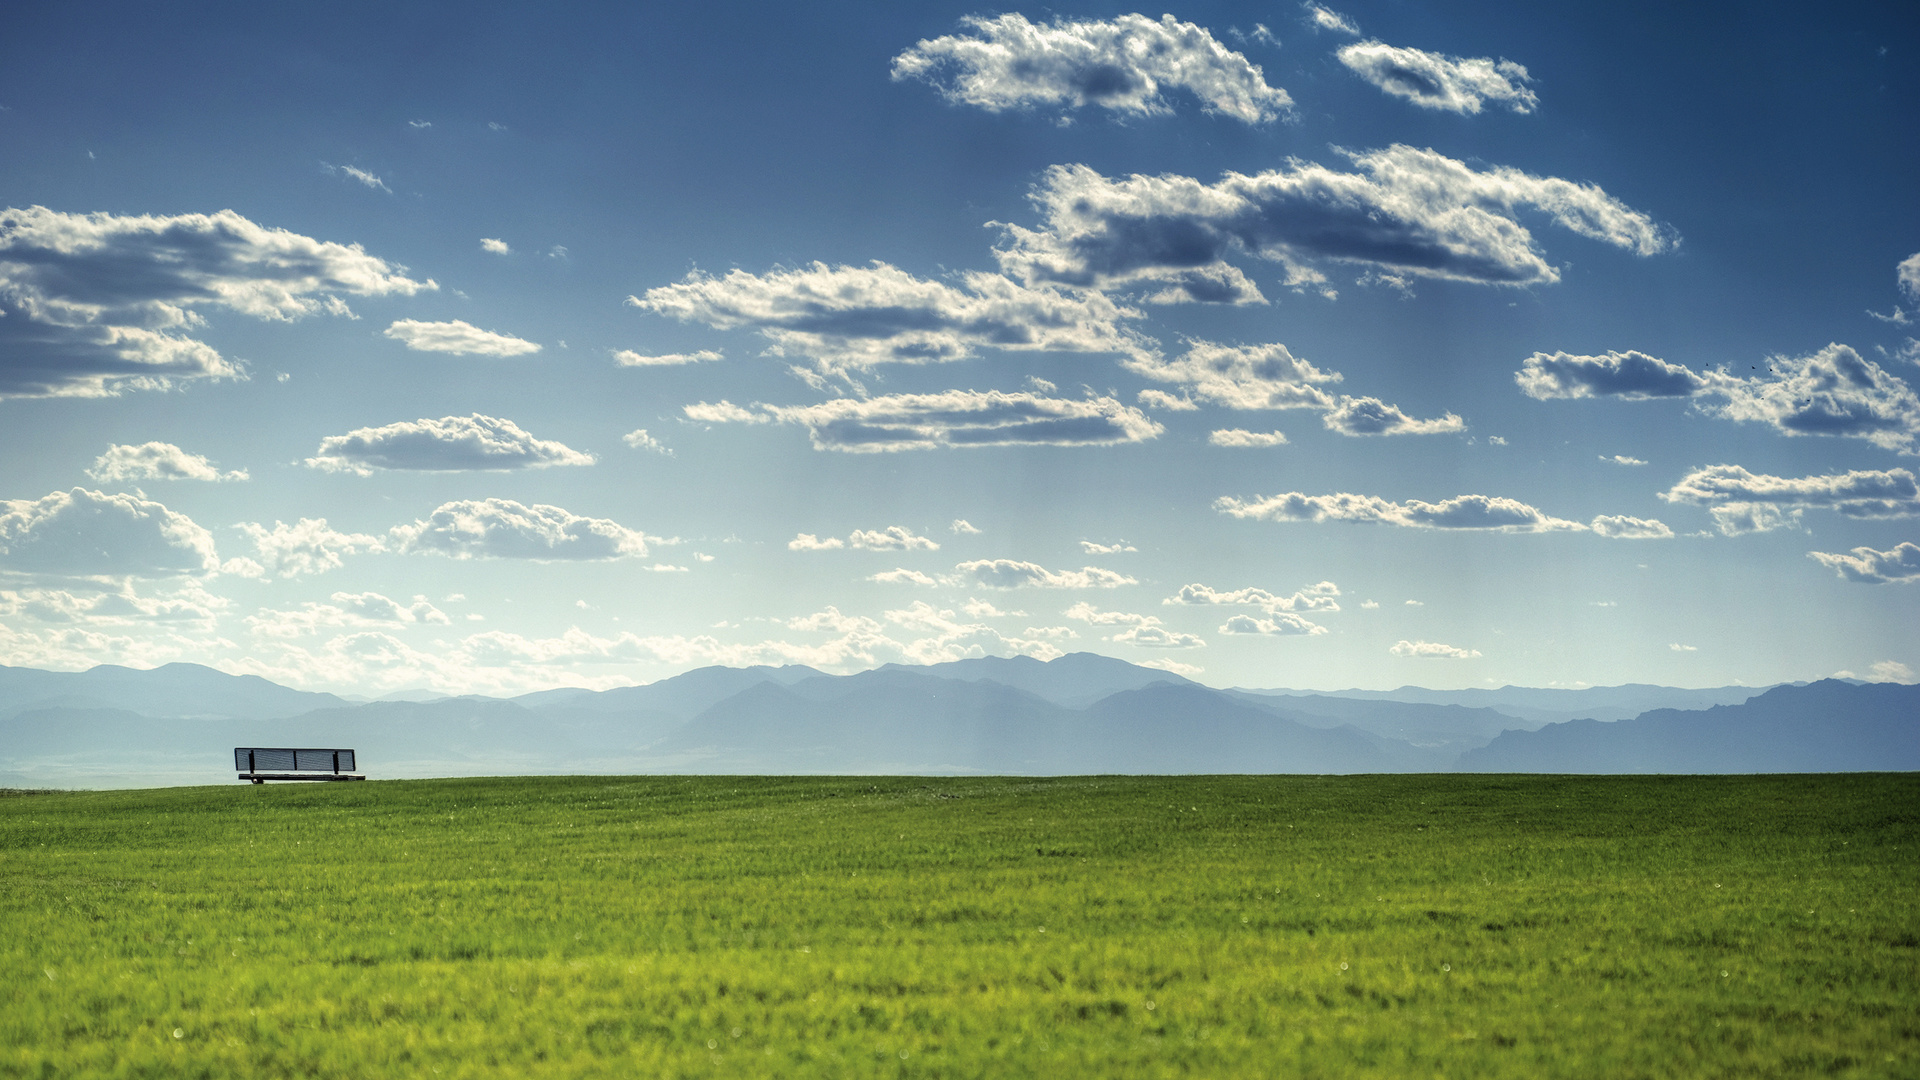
{"x": 260, "y": 764}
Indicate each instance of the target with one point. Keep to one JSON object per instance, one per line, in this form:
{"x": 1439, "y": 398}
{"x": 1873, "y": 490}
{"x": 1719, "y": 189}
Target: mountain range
{"x": 1080, "y": 713}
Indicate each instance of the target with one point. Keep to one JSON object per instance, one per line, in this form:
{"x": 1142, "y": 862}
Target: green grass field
{"x": 1404, "y": 926}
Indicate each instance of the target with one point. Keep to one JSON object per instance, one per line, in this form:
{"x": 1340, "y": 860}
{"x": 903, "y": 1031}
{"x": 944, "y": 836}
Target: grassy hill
{"x": 1381, "y": 926}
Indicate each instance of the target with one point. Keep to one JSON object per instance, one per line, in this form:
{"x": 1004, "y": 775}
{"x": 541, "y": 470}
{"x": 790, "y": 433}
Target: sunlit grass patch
{"x": 1195, "y": 926}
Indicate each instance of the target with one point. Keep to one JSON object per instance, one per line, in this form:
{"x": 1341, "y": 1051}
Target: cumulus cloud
{"x": 640, "y": 440}
{"x": 1270, "y": 377}
{"x": 1371, "y": 416}
{"x": 94, "y": 304}
{"x": 1321, "y": 18}
{"x": 457, "y": 337}
{"x": 1909, "y": 275}
{"x": 629, "y": 358}
{"x": 1437, "y": 81}
{"x": 1316, "y": 597}
{"x": 496, "y": 247}
{"x": 1124, "y": 65}
{"x": 903, "y": 576}
{"x": 847, "y": 318}
{"x": 1241, "y": 437}
{"x": 1013, "y": 574}
{"x": 1834, "y": 391}
{"x": 1432, "y": 649}
{"x": 1632, "y": 375}
{"x": 1143, "y": 630}
{"x": 1405, "y": 213}
{"x": 963, "y": 527}
{"x": 1280, "y": 625}
{"x": 1094, "y": 548}
{"x": 1160, "y": 399}
{"x": 1861, "y": 493}
{"x": 449, "y": 444}
{"x": 117, "y": 604}
{"x": 81, "y": 533}
{"x": 891, "y": 538}
{"x": 1482, "y": 512}
{"x": 1242, "y": 376}
{"x": 1900, "y": 565}
{"x": 309, "y": 546}
{"x": 505, "y": 529}
{"x": 954, "y": 418}
{"x": 347, "y": 609}
{"x": 156, "y": 461}
{"x": 1621, "y": 459}
{"x": 1621, "y": 527}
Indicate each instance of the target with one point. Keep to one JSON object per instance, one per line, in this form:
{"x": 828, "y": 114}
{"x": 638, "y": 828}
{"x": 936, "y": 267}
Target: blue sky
{"x": 485, "y": 350}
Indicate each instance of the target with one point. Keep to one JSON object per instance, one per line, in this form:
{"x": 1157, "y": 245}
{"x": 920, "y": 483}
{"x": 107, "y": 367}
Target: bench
{"x": 260, "y": 764}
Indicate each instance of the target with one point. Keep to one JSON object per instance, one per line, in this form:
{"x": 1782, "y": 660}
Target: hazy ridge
{"x": 1082, "y": 713}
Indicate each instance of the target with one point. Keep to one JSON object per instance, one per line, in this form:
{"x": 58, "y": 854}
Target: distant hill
{"x": 172, "y": 690}
{"x": 1081, "y": 713}
{"x": 1550, "y": 704}
{"x": 1827, "y": 726}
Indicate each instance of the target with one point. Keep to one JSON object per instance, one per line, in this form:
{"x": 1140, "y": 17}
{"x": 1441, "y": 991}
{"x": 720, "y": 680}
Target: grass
{"x": 1104, "y": 927}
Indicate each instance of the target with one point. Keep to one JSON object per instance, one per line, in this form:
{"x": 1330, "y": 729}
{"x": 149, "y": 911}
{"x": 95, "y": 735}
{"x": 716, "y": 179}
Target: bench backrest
{"x": 284, "y": 759}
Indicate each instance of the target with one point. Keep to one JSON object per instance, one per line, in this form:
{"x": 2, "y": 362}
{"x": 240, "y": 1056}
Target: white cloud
{"x": 362, "y": 176}
{"x": 1241, "y": 437}
{"x": 982, "y": 609}
{"x": 1371, "y": 416}
{"x": 1432, "y": 649}
{"x": 1321, "y": 18}
{"x": 1485, "y": 512}
{"x": 1164, "y": 664}
{"x": 1621, "y": 527}
{"x": 309, "y": 546}
{"x": 449, "y": 444}
{"x": 1158, "y": 637}
{"x": 1437, "y": 81}
{"x": 1092, "y": 548}
{"x": 847, "y": 318}
{"x": 1677, "y": 647}
{"x": 1909, "y": 275}
{"x": 629, "y": 358}
{"x": 1899, "y": 565}
{"x": 962, "y": 526}
{"x": 81, "y": 533}
{"x": 93, "y": 304}
{"x": 1631, "y": 375}
{"x": 1405, "y": 213}
{"x": 1013, "y": 574}
{"x": 457, "y": 337}
{"x": 1051, "y": 633}
{"x": 1835, "y": 391}
{"x": 1142, "y": 630}
{"x": 119, "y": 604}
{"x": 891, "y": 538}
{"x": 1742, "y": 502}
{"x": 156, "y": 461}
{"x": 505, "y": 529}
{"x": 1890, "y": 671}
{"x": 1740, "y": 518}
{"x": 640, "y": 440}
{"x": 1160, "y": 399}
{"x": 1282, "y": 624}
{"x": 1316, "y": 597}
{"x": 1239, "y": 377}
{"x": 954, "y": 418}
{"x": 903, "y": 576}
{"x": 496, "y": 247}
{"x": 1622, "y": 459}
{"x": 347, "y": 609}
{"x": 1123, "y": 65}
